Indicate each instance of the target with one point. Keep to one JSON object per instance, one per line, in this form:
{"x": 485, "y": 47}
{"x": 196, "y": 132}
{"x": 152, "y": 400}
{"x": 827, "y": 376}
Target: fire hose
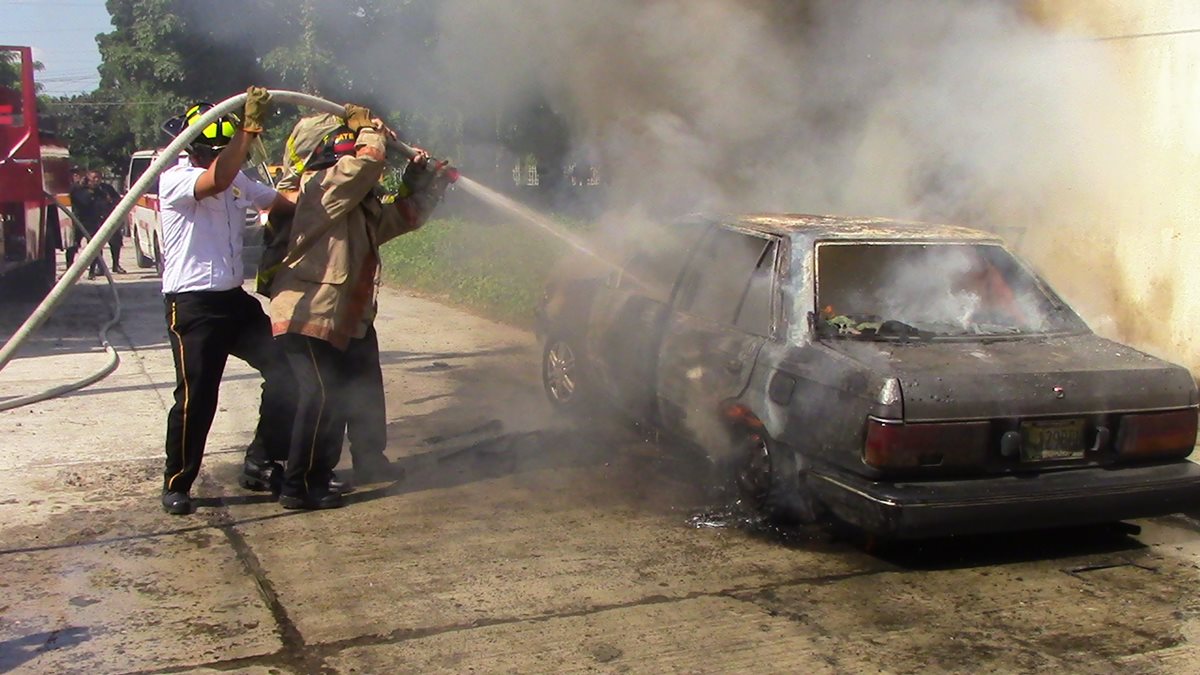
{"x": 114, "y": 359}
{"x": 166, "y": 158}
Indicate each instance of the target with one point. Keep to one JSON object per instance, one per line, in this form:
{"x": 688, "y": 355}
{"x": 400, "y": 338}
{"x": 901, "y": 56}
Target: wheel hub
{"x": 560, "y": 371}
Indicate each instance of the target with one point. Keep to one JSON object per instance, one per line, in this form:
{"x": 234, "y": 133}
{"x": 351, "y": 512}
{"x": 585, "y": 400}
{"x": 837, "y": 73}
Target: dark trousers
{"x": 114, "y": 248}
{"x": 204, "y": 328}
{"x": 338, "y": 393}
{"x": 366, "y": 413}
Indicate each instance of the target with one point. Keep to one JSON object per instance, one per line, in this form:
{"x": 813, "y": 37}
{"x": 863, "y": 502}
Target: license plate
{"x": 1051, "y": 440}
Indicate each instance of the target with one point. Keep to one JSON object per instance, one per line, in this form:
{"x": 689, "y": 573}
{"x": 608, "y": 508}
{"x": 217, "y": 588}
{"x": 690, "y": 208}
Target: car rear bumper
{"x": 1052, "y": 499}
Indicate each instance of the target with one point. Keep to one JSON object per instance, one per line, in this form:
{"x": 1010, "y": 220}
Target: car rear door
{"x": 628, "y": 313}
{"x": 725, "y": 308}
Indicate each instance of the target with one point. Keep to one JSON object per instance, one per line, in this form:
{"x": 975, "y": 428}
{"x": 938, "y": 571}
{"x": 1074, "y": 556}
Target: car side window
{"x": 719, "y": 276}
{"x": 755, "y": 314}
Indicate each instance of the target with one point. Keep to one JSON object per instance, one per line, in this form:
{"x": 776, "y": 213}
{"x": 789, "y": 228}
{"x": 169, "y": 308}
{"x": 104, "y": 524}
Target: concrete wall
{"x": 1123, "y": 244}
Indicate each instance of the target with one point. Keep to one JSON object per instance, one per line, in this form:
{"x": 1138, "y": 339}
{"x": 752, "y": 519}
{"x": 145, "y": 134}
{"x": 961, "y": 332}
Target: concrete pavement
{"x": 515, "y": 544}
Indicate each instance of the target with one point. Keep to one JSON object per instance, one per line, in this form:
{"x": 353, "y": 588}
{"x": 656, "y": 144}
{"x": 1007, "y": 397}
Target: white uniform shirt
{"x": 202, "y": 240}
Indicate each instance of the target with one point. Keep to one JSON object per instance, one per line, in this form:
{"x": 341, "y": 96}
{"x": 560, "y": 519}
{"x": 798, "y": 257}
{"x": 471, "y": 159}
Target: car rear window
{"x": 899, "y": 290}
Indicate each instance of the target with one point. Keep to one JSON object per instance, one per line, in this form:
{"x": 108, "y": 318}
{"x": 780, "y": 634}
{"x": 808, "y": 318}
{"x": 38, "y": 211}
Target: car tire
{"x": 158, "y": 257}
{"x": 767, "y": 479}
{"x": 142, "y": 261}
{"x": 564, "y": 378}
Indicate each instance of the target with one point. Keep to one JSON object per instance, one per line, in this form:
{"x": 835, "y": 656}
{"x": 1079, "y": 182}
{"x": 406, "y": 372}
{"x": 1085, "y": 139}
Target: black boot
{"x": 376, "y": 469}
{"x": 340, "y": 485}
{"x": 176, "y": 503}
{"x": 261, "y": 476}
{"x": 322, "y": 498}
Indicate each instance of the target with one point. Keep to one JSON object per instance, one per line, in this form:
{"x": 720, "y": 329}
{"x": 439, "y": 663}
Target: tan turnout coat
{"x": 329, "y": 292}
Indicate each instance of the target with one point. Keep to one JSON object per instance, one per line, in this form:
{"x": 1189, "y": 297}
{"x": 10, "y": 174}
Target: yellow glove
{"x": 358, "y": 118}
{"x": 258, "y": 107}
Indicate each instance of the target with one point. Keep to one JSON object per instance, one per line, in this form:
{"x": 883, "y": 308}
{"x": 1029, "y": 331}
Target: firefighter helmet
{"x": 334, "y": 145}
{"x": 214, "y": 137}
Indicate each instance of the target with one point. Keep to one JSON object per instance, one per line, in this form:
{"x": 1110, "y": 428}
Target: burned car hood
{"x": 1022, "y": 377}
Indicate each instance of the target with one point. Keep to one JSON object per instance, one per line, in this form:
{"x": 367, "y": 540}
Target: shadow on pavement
{"x": 17, "y": 651}
{"x": 1005, "y": 548}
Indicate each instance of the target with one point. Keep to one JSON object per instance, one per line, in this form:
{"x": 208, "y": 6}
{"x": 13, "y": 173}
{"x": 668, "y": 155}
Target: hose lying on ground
{"x": 114, "y": 359}
{"x": 166, "y": 158}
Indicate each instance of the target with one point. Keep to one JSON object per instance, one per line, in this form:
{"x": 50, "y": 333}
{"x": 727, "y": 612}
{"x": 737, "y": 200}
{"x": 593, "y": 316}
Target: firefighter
{"x": 209, "y": 316}
{"x": 323, "y": 300}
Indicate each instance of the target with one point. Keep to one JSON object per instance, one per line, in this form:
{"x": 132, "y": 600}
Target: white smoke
{"x": 905, "y": 109}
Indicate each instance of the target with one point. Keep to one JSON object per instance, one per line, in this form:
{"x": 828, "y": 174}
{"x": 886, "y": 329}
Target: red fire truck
{"x": 30, "y": 167}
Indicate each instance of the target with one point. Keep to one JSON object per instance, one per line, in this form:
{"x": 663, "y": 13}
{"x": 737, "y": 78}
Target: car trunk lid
{"x": 1027, "y": 377}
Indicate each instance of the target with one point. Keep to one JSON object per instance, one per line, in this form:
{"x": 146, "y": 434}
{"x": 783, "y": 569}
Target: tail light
{"x": 895, "y": 445}
{"x": 1169, "y": 435}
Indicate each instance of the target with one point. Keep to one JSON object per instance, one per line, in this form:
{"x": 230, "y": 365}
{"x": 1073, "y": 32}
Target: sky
{"x": 63, "y": 36}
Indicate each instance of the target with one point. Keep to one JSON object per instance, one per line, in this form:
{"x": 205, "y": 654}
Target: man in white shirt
{"x": 209, "y": 316}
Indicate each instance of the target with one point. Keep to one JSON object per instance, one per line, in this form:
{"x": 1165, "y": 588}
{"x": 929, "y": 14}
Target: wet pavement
{"x": 516, "y": 542}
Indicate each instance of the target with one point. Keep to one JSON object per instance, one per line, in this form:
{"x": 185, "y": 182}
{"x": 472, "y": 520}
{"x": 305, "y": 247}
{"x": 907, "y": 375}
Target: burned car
{"x": 909, "y": 379}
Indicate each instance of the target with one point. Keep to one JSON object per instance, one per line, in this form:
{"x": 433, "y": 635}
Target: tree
{"x": 96, "y": 131}
{"x": 163, "y": 54}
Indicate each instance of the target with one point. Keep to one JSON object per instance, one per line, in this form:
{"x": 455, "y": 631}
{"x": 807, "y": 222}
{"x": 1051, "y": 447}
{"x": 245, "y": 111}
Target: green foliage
{"x": 10, "y": 70}
{"x": 99, "y": 133}
{"x": 497, "y": 269}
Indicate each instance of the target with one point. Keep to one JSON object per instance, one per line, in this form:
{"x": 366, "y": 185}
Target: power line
{"x": 59, "y": 31}
{"x": 1134, "y": 36}
{"x": 48, "y": 3}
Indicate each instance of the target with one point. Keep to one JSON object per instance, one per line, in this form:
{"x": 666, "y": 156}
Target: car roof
{"x": 854, "y": 228}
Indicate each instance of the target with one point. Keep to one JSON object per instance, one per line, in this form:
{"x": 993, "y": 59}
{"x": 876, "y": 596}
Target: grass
{"x": 495, "y": 269}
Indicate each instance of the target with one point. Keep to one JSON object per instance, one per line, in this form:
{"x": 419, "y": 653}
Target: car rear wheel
{"x": 563, "y": 376}
{"x": 768, "y": 480}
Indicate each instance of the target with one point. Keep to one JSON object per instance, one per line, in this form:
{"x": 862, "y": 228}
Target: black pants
{"x": 338, "y": 393}
{"x": 366, "y": 412}
{"x": 114, "y": 248}
{"x": 204, "y": 328}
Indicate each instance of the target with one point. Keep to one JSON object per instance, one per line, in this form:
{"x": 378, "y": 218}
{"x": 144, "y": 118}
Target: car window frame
{"x": 776, "y": 328}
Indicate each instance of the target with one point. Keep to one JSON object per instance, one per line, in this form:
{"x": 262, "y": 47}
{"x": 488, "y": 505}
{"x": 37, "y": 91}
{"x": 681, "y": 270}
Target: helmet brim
{"x": 174, "y": 126}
